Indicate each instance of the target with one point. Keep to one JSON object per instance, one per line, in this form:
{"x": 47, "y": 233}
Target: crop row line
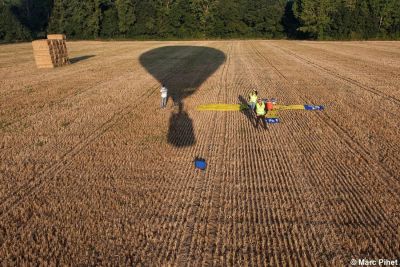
{"x": 339, "y": 76}
{"x": 376, "y": 213}
{"x": 352, "y": 145}
{"x": 186, "y": 247}
{"x": 282, "y": 180}
{"x": 35, "y": 183}
{"x": 77, "y": 93}
{"x": 349, "y": 139}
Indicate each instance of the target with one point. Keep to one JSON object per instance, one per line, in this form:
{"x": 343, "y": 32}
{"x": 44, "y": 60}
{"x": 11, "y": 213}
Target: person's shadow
{"x": 247, "y": 112}
{"x": 181, "y": 69}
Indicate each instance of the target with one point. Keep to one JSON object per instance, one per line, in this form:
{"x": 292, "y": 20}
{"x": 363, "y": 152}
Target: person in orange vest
{"x": 261, "y": 111}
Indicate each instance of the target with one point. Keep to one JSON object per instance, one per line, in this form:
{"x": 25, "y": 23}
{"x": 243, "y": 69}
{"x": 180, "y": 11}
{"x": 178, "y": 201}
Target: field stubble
{"x": 89, "y": 175}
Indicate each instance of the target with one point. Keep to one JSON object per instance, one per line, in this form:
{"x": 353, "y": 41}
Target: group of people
{"x": 256, "y": 104}
{"x": 260, "y": 109}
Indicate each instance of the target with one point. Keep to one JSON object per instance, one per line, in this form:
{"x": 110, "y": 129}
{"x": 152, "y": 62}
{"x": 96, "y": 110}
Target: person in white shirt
{"x": 164, "y": 96}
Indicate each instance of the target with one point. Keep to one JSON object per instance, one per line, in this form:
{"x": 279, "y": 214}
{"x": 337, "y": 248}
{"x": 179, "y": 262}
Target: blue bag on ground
{"x": 200, "y": 163}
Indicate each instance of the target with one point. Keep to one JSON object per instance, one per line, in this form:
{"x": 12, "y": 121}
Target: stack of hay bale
{"x": 51, "y": 52}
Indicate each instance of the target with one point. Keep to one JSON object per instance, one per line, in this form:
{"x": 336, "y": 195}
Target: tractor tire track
{"x": 193, "y": 186}
{"x": 35, "y": 183}
{"x": 361, "y": 215}
{"x": 214, "y": 198}
{"x": 58, "y": 72}
{"x": 357, "y": 148}
{"x": 74, "y": 94}
{"x": 341, "y": 131}
{"x": 185, "y": 250}
{"x": 340, "y": 77}
{"x": 297, "y": 194}
{"x": 352, "y": 143}
{"x": 305, "y": 209}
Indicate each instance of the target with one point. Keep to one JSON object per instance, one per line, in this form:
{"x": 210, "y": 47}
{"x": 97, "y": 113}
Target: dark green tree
{"x": 146, "y": 18}
{"x": 228, "y": 19}
{"x": 11, "y": 26}
{"x": 109, "y": 28}
{"x": 126, "y": 15}
{"x": 184, "y": 19}
{"x": 315, "y": 16}
{"x": 291, "y": 23}
{"x": 341, "y": 24}
{"x": 323, "y": 19}
{"x": 56, "y": 24}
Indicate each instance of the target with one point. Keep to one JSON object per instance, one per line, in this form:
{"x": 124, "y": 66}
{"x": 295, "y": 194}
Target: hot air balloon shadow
{"x": 182, "y": 69}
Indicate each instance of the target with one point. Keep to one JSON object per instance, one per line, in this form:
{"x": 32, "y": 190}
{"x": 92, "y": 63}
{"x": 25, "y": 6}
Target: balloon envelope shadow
{"x": 182, "y": 69}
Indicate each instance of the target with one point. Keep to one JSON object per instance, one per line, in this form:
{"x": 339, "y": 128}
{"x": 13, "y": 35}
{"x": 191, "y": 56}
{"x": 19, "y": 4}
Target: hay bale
{"x": 40, "y": 45}
{"x": 42, "y": 55}
{"x": 56, "y": 37}
{"x": 51, "y": 52}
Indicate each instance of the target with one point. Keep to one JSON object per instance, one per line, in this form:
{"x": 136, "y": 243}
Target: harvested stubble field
{"x": 94, "y": 173}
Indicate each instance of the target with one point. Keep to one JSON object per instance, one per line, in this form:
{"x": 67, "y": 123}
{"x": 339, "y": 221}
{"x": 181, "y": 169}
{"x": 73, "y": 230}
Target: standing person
{"x": 253, "y": 99}
{"x": 164, "y": 96}
{"x": 260, "y": 110}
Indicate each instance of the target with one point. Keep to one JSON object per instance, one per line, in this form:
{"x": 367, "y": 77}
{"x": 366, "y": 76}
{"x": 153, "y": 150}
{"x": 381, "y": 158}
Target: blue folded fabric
{"x": 272, "y": 120}
{"x": 312, "y": 107}
{"x": 200, "y": 164}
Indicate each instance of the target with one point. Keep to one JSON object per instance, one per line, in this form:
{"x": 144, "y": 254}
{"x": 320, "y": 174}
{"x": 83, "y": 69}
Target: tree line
{"x": 348, "y": 19}
{"x": 198, "y": 19}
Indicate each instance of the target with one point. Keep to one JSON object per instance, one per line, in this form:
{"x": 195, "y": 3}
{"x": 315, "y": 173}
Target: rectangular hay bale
{"x": 51, "y": 52}
{"x": 40, "y": 45}
{"x": 56, "y": 37}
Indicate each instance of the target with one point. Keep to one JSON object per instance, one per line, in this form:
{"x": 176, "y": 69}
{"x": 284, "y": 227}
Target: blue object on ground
{"x": 200, "y": 164}
{"x": 312, "y": 107}
{"x": 272, "y": 120}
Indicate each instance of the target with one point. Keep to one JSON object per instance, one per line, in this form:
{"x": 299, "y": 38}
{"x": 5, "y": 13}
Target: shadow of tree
{"x": 29, "y": 18}
{"x": 291, "y": 23}
{"x": 182, "y": 69}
